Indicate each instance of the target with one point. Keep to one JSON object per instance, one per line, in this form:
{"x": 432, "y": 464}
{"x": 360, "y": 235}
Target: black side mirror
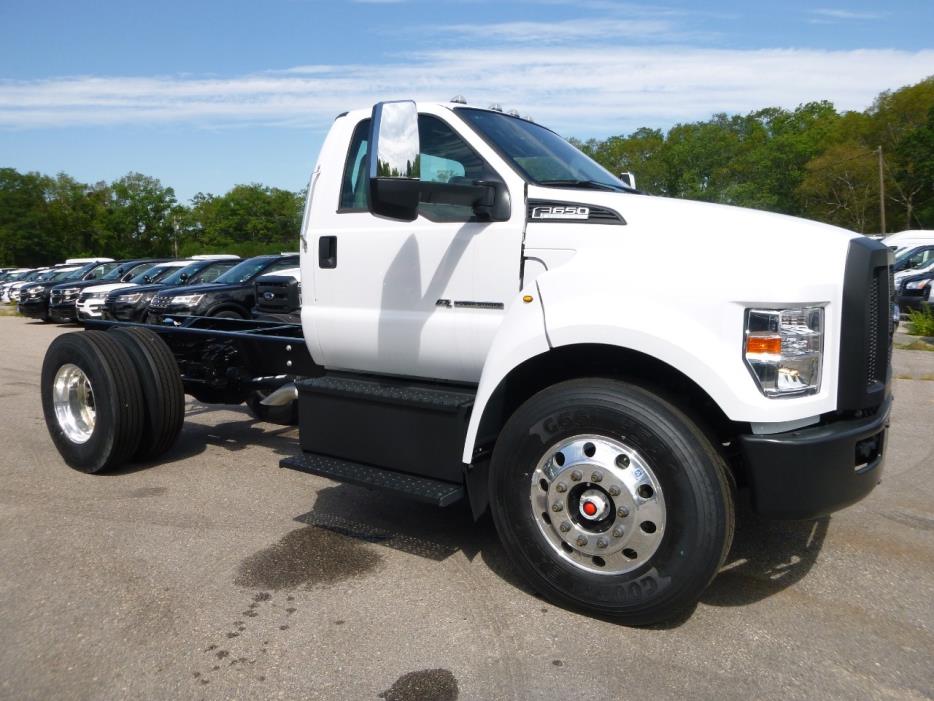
{"x": 393, "y": 154}
{"x": 489, "y": 199}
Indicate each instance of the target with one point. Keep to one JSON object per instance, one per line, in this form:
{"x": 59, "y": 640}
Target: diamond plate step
{"x": 422, "y": 489}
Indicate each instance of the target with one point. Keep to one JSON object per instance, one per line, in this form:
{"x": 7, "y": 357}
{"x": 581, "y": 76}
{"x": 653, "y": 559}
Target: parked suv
{"x": 34, "y": 297}
{"x": 230, "y": 296}
{"x": 131, "y": 304}
{"x": 63, "y": 297}
{"x": 91, "y": 300}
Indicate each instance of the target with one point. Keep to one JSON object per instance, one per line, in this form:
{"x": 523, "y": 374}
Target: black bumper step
{"x": 432, "y": 397}
{"x": 423, "y": 489}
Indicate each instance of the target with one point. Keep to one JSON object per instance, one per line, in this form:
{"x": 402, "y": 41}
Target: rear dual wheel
{"x": 111, "y": 397}
{"x": 610, "y": 500}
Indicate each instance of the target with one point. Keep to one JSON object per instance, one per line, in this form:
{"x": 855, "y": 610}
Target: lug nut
{"x": 561, "y": 487}
{"x": 565, "y": 526}
{"x": 602, "y": 542}
{"x": 596, "y": 477}
{"x": 614, "y": 491}
{"x": 557, "y": 506}
{"x": 622, "y": 512}
{"x": 577, "y": 476}
{"x": 618, "y": 532}
{"x": 581, "y": 541}
{"x": 622, "y": 460}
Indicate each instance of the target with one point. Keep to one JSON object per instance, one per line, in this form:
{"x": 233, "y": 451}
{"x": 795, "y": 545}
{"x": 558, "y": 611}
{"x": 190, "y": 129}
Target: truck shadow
{"x": 230, "y": 435}
{"x": 766, "y": 556}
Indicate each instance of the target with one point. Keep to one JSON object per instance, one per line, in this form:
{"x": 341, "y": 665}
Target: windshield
{"x": 540, "y": 155}
{"x": 154, "y": 274}
{"x": 243, "y": 272}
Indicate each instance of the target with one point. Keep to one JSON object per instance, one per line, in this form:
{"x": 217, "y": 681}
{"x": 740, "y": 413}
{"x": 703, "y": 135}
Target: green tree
{"x": 139, "y": 218}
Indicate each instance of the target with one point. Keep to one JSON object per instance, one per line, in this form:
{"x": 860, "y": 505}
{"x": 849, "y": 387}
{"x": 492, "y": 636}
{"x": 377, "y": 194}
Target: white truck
{"x": 481, "y": 321}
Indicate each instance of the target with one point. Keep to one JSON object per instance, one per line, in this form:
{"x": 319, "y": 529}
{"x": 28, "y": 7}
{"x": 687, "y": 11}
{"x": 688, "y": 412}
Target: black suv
{"x": 34, "y": 297}
{"x": 230, "y": 296}
{"x": 63, "y": 296}
{"x": 130, "y": 304}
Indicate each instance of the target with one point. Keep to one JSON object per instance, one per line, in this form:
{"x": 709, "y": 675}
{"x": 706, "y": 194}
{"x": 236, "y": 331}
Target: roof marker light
{"x": 459, "y": 100}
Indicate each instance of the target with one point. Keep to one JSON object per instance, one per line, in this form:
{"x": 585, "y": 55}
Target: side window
{"x": 280, "y": 265}
{"x": 209, "y": 274}
{"x": 446, "y": 158}
{"x": 354, "y": 194}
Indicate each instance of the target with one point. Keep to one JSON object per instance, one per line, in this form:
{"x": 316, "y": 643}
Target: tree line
{"x": 46, "y": 219}
{"x": 813, "y": 161}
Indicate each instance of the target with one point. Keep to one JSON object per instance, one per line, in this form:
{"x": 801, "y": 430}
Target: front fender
{"x": 521, "y": 336}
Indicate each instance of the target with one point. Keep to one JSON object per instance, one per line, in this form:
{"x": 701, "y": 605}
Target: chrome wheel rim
{"x": 599, "y": 504}
{"x": 73, "y": 399}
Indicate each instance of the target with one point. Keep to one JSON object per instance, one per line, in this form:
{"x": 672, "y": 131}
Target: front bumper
{"x": 910, "y": 302}
{"x": 89, "y": 308}
{"x": 33, "y": 308}
{"x": 817, "y": 470}
{"x": 63, "y": 312}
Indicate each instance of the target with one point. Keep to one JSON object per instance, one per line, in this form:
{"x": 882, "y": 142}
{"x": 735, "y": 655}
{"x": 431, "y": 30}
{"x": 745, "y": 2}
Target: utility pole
{"x": 175, "y": 237}
{"x": 881, "y": 190}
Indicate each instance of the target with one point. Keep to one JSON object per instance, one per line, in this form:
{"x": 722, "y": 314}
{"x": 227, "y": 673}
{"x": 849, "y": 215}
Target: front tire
{"x": 610, "y": 500}
{"x": 92, "y": 401}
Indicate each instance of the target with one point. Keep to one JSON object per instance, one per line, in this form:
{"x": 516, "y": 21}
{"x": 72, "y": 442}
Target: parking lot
{"x": 215, "y": 574}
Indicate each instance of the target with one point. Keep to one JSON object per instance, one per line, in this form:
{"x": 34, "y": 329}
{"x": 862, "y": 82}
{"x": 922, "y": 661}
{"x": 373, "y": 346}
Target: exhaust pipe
{"x": 286, "y": 394}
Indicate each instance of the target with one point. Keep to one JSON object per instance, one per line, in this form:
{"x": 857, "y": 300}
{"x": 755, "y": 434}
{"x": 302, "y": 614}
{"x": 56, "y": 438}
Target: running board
{"x": 423, "y": 489}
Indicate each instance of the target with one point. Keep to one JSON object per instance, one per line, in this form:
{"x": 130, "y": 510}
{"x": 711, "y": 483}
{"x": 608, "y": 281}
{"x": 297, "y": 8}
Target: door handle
{"x": 327, "y": 252}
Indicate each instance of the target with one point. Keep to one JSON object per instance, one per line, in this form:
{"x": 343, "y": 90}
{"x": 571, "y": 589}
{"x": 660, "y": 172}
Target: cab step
{"x": 423, "y": 489}
{"x": 404, "y": 426}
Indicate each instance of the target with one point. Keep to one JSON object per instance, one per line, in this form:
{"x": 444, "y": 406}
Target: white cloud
{"x": 847, "y": 14}
{"x": 577, "y": 90}
{"x": 562, "y": 32}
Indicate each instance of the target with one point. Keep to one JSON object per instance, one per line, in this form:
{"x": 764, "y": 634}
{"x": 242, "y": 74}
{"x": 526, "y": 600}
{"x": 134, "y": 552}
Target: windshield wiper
{"x": 590, "y": 184}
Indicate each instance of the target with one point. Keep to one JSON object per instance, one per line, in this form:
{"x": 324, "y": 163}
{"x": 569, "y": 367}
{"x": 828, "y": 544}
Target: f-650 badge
{"x": 561, "y": 212}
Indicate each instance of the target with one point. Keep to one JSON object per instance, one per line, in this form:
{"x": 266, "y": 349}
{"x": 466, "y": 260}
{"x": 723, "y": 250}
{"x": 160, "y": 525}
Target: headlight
{"x": 131, "y": 298}
{"x": 783, "y": 349}
{"x": 917, "y": 284}
{"x": 186, "y": 300}
{"x": 69, "y": 292}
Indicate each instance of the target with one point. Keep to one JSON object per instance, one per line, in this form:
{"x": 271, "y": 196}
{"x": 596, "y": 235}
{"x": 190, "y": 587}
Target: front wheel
{"x": 610, "y": 500}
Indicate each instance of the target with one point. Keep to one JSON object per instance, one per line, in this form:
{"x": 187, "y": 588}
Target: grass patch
{"x": 918, "y": 345}
{"x": 921, "y": 323}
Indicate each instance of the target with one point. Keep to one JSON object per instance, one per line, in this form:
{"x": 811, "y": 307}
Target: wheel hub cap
{"x": 598, "y": 503}
{"x": 73, "y": 401}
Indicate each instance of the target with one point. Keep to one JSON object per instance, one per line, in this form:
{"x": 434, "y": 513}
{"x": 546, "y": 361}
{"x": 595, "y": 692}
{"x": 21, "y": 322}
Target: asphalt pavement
{"x": 215, "y": 574}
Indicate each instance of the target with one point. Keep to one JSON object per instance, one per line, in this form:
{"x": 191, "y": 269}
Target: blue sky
{"x": 205, "y": 95}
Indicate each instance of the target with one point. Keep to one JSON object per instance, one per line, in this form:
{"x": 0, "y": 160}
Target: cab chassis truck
{"x": 486, "y": 317}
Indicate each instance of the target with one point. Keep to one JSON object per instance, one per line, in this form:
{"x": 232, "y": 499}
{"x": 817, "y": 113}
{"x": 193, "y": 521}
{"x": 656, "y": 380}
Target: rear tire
{"x": 92, "y": 401}
{"x": 163, "y": 392}
{"x": 661, "y": 494}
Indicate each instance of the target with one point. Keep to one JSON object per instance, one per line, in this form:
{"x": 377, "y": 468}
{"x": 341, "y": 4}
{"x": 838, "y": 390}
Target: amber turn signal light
{"x": 764, "y": 344}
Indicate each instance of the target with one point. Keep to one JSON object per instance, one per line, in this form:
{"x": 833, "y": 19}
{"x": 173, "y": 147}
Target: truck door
{"x": 421, "y": 298}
